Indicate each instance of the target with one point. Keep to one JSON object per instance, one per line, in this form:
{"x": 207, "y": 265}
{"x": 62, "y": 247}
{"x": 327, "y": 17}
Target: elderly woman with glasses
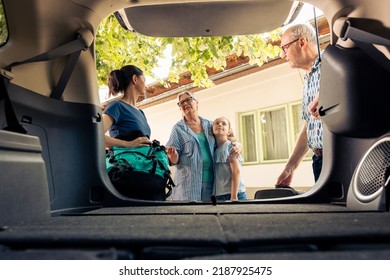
{"x": 191, "y": 150}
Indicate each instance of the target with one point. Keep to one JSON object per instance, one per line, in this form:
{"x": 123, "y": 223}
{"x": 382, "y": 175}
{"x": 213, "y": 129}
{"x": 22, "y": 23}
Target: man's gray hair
{"x": 302, "y": 30}
{"x": 187, "y": 93}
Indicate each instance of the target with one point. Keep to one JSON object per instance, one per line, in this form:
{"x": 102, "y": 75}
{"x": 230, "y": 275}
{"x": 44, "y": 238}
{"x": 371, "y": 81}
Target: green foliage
{"x": 3, "y": 25}
{"x": 116, "y": 47}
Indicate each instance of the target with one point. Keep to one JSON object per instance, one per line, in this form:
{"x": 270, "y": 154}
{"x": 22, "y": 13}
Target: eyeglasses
{"x": 187, "y": 100}
{"x": 286, "y": 46}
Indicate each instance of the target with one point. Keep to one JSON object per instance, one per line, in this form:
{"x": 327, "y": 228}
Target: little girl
{"x": 228, "y": 182}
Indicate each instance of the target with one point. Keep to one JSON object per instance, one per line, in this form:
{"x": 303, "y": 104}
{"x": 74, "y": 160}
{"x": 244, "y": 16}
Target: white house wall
{"x": 276, "y": 85}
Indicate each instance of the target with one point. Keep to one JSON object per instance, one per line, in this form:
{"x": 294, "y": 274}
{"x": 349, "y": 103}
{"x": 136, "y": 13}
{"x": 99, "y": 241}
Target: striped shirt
{"x": 188, "y": 170}
{"x": 310, "y": 91}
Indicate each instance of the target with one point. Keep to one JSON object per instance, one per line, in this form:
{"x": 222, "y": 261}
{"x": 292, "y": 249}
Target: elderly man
{"x": 300, "y": 50}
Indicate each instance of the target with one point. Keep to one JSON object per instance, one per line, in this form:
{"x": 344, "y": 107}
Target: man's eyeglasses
{"x": 286, "y": 46}
{"x": 187, "y": 100}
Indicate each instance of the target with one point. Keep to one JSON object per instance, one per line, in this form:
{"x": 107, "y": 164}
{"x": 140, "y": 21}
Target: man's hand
{"x": 313, "y": 107}
{"x": 285, "y": 178}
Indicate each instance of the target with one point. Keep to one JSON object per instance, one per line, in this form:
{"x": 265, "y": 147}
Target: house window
{"x": 269, "y": 135}
{"x": 274, "y": 132}
{"x": 248, "y": 128}
{"x": 297, "y": 121}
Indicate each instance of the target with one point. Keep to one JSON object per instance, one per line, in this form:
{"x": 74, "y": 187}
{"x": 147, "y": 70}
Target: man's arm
{"x": 295, "y": 159}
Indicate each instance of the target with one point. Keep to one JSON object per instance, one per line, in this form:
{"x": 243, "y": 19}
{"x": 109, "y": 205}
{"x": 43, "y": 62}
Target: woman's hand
{"x": 138, "y": 142}
{"x": 172, "y": 154}
{"x": 236, "y": 151}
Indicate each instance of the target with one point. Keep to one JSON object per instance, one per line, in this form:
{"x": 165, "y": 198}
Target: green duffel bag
{"x": 140, "y": 173}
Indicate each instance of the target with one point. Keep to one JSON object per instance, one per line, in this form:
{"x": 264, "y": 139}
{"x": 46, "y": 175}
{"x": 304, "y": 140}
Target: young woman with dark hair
{"x": 127, "y": 125}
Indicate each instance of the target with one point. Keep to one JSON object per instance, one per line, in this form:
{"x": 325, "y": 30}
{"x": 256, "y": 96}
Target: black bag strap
{"x": 169, "y": 184}
{"x": 366, "y": 40}
{"x": 168, "y": 194}
{"x": 119, "y": 166}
